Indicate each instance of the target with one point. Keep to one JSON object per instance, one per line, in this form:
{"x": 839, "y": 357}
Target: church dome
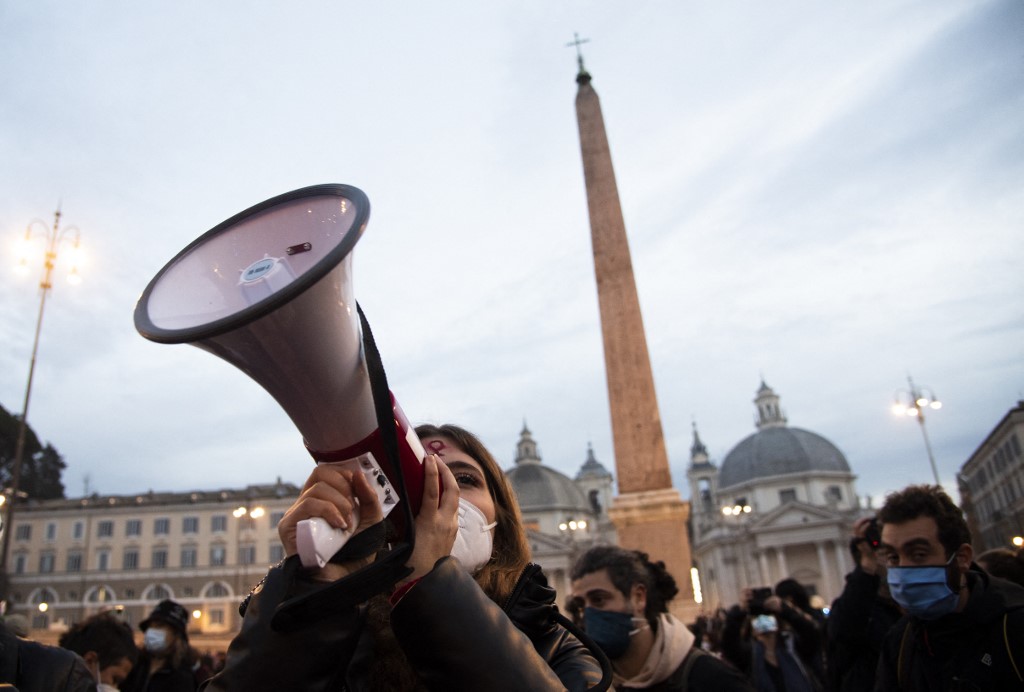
{"x": 539, "y": 487}
{"x": 776, "y": 449}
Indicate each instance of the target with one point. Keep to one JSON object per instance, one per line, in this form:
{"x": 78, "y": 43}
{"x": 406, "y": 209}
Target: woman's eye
{"x": 467, "y": 479}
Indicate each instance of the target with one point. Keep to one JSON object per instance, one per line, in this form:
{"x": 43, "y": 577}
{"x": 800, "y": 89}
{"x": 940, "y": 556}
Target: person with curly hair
{"x": 961, "y": 629}
{"x": 625, "y": 600}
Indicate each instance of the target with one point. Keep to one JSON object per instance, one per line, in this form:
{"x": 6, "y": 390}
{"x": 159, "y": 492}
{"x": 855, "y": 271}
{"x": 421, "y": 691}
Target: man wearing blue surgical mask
{"x": 962, "y": 629}
{"x": 625, "y": 598}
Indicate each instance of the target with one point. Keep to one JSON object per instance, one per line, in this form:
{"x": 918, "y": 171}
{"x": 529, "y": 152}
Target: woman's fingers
{"x": 370, "y": 511}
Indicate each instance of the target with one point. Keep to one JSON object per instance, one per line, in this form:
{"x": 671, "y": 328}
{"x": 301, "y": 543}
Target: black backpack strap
{"x": 691, "y": 658}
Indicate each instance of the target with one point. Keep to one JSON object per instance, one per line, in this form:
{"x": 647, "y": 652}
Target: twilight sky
{"x": 826, "y": 195}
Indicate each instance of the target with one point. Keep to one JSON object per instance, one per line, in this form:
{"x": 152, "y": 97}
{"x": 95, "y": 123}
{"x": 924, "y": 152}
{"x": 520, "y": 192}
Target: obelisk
{"x": 648, "y": 513}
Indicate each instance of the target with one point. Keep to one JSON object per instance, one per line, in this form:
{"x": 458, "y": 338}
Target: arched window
{"x": 217, "y": 589}
{"x": 100, "y": 594}
{"x": 43, "y": 595}
{"x": 157, "y": 592}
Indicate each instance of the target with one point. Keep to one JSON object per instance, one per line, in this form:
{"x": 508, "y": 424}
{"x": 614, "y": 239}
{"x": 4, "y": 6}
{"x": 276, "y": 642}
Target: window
{"x": 787, "y": 495}
{"x": 217, "y": 590}
{"x": 216, "y": 616}
{"x": 246, "y": 554}
{"x": 157, "y": 592}
{"x": 23, "y": 532}
{"x": 105, "y": 529}
{"x": 131, "y": 559}
{"x": 276, "y": 553}
{"x": 834, "y": 494}
{"x": 51, "y": 531}
{"x": 190, "y": 525}
{"x": 74, "y": 563}
{"x": 218, "y": 555}
{"x": 79, "y": 530}
{"x": 133, "y": 527}
{"x": 159, "y": 558}
{"x": 103, "y": 560}
{"x": 19, "y": 563}
{"x": 46, "y": 562}
{"x": 188, "y": 556}
{"x": 162, "y": 526}
{"x": 275, "y": 519}
{"x": 219, "y": 523}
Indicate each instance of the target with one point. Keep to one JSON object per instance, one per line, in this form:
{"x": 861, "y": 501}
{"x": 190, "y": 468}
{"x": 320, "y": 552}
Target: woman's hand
{"x": 333, "y": 493}
{"x": 437, "y": 523}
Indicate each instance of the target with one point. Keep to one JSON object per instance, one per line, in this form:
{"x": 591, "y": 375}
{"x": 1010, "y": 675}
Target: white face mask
{"x": 155, "y": 640}
{"x": 473, "y": 543}
{"x": 104, "y": 687}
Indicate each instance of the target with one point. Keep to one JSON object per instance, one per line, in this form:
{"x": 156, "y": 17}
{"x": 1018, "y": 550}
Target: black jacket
{"x": 34, "y": 667}
{"x": 969, "y": 646}
{"x": 452, "y": 634}
{"x": 856, "y": 627}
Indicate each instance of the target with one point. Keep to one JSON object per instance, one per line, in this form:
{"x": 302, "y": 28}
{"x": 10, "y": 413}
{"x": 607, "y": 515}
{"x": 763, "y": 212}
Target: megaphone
{"x": 270, "y": 291}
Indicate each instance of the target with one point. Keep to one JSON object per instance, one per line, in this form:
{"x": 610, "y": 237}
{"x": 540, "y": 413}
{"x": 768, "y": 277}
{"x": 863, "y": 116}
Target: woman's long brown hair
{"x": 511, "y": 552}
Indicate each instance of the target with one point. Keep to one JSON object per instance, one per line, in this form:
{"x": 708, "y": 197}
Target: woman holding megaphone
{"x": 473, "y": 614}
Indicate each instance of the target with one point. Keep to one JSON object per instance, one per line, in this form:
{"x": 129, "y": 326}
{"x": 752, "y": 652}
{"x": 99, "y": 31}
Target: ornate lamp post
{"x": 53, "y": 238}
{"x": 913, "y": 402}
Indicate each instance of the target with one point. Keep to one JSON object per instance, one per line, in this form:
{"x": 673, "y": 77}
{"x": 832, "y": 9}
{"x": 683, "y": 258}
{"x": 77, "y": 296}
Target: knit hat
{"x": 169, "y": 613}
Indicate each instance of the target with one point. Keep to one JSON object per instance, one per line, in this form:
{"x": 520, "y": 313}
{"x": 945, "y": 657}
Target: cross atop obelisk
{"x": 577, "y": 42}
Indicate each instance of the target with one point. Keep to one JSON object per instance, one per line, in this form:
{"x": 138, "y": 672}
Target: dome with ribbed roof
{"x": 540, "y": 487}
{"x": 776, "y": 449}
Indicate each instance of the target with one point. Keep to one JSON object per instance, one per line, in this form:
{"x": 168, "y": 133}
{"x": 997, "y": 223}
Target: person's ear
{"x": 638, "y": 599}
{"x": 964, "y": 557}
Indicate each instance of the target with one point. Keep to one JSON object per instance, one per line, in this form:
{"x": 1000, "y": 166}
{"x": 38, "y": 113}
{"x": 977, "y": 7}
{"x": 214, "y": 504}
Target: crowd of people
{"x": 468, "y": 610}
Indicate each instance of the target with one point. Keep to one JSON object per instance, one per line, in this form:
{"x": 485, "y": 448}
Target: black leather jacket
{"x": 34, "y": 667}
{"x": 452, "y": 634}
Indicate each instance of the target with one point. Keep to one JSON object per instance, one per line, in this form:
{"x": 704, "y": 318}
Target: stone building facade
{"x": 991, "y": 485}
{"x": 780, "y": 506}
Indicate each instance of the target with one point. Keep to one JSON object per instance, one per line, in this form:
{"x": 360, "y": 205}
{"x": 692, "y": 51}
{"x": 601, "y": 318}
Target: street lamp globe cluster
{"x": 913, "y": 402}
{"x": 736, "y": 510}
{"x": 573, "y": 525}
{"x": 53, "y": 238}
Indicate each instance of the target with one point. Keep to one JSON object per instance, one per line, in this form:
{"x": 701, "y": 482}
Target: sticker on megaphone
{"x": 318, "y": 541}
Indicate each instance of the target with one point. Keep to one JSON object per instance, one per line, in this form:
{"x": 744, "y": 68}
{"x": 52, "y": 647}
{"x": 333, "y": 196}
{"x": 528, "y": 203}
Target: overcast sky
{"x": 826, "y": 195}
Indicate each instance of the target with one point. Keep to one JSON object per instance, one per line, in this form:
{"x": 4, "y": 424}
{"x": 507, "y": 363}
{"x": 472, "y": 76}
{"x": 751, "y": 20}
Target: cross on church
{"x": 577, "y": 42}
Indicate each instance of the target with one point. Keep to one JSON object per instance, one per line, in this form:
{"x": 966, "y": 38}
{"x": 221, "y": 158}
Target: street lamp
{"x": 913, "y": 402}
{"x": 572, "y": 525}
{"x": 53, "y": 238}
{"x": 245, "y": 516}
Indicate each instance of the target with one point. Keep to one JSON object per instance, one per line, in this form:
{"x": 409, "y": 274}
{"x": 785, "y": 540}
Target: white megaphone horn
{"x": 270, "y": 291}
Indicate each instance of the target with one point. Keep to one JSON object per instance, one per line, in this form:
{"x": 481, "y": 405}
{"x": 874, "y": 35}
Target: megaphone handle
{"x": 318, "y": 541}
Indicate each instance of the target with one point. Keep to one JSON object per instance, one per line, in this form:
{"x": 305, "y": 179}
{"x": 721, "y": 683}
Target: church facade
{"x": 563, "y": 516}
{"x": 780, "y": 506}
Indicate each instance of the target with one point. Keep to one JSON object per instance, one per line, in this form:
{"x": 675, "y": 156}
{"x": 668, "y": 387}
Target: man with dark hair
{"x": 962, "y": 629}
{"x": 107, "y": 646}
{"x": 625, "y": 611}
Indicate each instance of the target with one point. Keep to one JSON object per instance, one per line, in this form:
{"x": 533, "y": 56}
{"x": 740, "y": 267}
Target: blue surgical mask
{"x": 155, "y": 640}
{"x": 923, "y": 591}
{"x": 611, "y": 630}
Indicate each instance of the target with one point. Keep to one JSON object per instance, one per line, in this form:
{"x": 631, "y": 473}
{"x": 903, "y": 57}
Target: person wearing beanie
{"x": 163, "y": 664}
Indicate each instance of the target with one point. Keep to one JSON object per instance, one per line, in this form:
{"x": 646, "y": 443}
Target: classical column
{"x": 766, "y": 577}
{"x": 649, "y": 513}
{"x": 780, "y": 555}
{"x": 828, "y": 585}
